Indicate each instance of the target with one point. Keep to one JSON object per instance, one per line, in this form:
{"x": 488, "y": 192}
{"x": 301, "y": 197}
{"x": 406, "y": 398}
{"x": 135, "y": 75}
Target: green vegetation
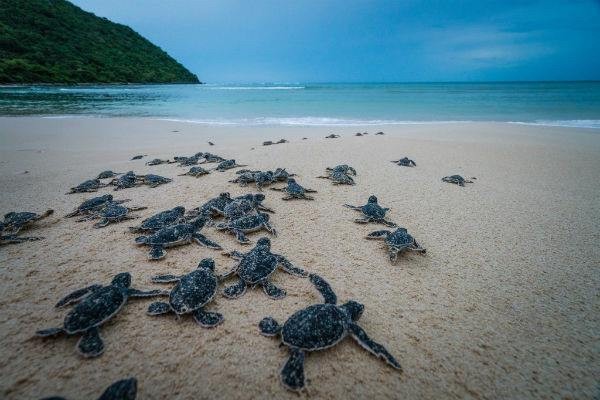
{"x": 54, "y": 41}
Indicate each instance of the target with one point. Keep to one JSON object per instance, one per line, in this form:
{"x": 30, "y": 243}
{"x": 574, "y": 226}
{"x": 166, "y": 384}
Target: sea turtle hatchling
{"x": 405, "y": 162}
{"x": 210, "y": 158}
{"x": 107, "y": 174}
{"x": 160, "y": 220}
{"x": 214, "y": 206}
{"x": 456, "y": 179}
{"x": 125, "y": 389}
{"x": 332, "y": 136}
{"x": 228, "y": 164}
{"x": 15, "y": 221}
{"x": 338, "y": 178}
{"x": 158, "y": 161}
{"x": 176, "y": 235}
{"x": 280, "y": 174}
{"x": 191, "y": 294}
{"x": 397, "y": 242}
{"x": 319, "y": 327}
{"x": 255, "y": 199}
{"x": 14, "y": 239}
{"x": 295, "y": 191}
{"x": 255, "y": 268}
{"x": 96, "y": 305}
{"x": 196, "y": 172}
{"x": 372, "y": 212}
{"x": 94, "y": 204}
{"x": 125, "y": 181}
{"x": 112, "y": 213}
{"x": 91, "y": 185}
{"x": 246, "y": 224}
{"x": 344, "y": 168}
{"x": 138, "y": 157}
{"x": 153, "y": 180}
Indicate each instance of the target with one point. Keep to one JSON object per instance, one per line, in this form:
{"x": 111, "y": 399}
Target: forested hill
{"x": 54, "y": 41}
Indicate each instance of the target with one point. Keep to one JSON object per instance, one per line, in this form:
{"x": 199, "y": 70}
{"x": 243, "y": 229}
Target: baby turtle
{"x": 343, "y": 168}
{"x": 192, "y": 292}
{"x": 256, "y": 200}
{"x": 339, "y": 178}
{"x": 15, "y": 221}
{"x": 196, "y": 172}
{"x": 176, "y": 235}
{"x": 358, "y": 134}
{"x": 319, "y": 327}
{"x": 456, "y": 179}
{"x": 280, "y": 174}
{"x": 158, "y": 161}
{"x": 380, "y": 133}
{"x": 268, "y": 143}
{"x": 94, "y": 204}
{"x": 247, "y": 224}
{"x": 280, "y": 141}
{"x": 125, "y": 389}
{"x": 187, "y": 161}
{"x": 214, "y": 206}
{"x": 332, "y": 136}
{"x": 245, "y": 177}
{"x": 112, "y": 213}
{"x": 14, "y": 239}
{"x": 405, "y": 162}
{"x": 96, "y": 305}
{"x": 154, "y": 180}
{"x": 138, "y": 157}
{"x": 295, "y": 191}
{"x": 238, "y": 209}
{"x": 107, "y": 174}
{"x": 372, "y": 212}
{"x": 255, "y": 268}
{"x": 228, "y": 164}
{"x": 211, "y": 158}
{"x": 125, "y": 181}
{"x": 91, "y": 185}
{"x": 160, "y": 220}
{"x": 397, "y": 242}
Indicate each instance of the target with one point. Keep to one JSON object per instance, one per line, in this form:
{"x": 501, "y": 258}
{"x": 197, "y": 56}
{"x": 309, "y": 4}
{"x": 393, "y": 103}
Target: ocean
{"x": 575, "y": 104}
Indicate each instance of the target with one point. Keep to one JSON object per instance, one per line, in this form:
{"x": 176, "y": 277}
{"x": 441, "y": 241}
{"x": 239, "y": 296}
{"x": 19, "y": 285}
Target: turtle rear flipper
{"x": 158, "y": 308}
{"x": 269, "y": 327}
{"x": 208, "y": 319}
{"x": 235, "y": 291}
{"x": 329, "y": 296}
{"x": 378, "y": 234}
{"x": 91, "y": 344}
{"x": 49, "y": 332}
{"x": 12, "y": 239}
{"x": 388, "y": 223}
{"x": 141, "y": 239}
{"x": 103, "y": 222}
{"x": 272, "y": 291}
{"x": 157, "y": 252}
{"x": 371, "y": 346}
{"x": 241, "y": 237}
{"x": 165, "y": 278}
{"x": 77, "y": 295}
{"x": 204, "y": 241}
{"x": 292, "y": 373}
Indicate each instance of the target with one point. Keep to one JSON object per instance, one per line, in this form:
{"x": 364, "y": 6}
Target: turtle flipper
{"x": 13, "y": 239}
{"x": 148, "y": 293}
{"x": 272, "y": 291}
{"x": 158, "y": 308}
{"x": 208, "y": 319}
{"x": 165, "y": 278}
{"x": 378, "y": 234}
{"x": 353, "y": 207}
{"x": 235, "y": 291}
{"x": 270, "y": 228}
{"x": 323, "y": 287}
{"x": 289, "y": 267}
{"x": 125, "y": 389}
{"x": 292, "y": 373}
{"x": 77, "y": 295}
{"x": 393, "y": 255}
{"x": 269, "y": 327}
{"x": 157, "y": 252}
{"x": 236, "y": 255}
{"x": 365, "y": 220}
{"x": 103, "y": 222}
{"x": 90, "y": 344}
{"x": 241, "y": 237}
{"x": 49, "y": 332}
{"x": 305, "y": 197}
{"x": 388, "y": 223}
{"x": 204, "y": 241}
{"x": 371, "y": 346}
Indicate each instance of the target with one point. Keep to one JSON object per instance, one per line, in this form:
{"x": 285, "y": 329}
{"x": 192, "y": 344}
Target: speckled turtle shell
{"x": 155, "y": 180}
{"x": 90, "y": 185}
{"x": 216, "y": 205}
{"x": 197, "y": 171}
{"x": 341, "y": 178}
{"x": 113, "y": 211}
{"x": 14, "y": 221}
{"x": 294, "y": 188}
{"x": 95, "y": 203}
{"x": 399, "y": 239}
{"x": 281, "y": 174}
{"x": 160, "y": 220}
{"x": 227, "y": 164}
{"x": 372, "y": 209}
{"x": 237, "y": 209}
{"x": 107, "y": 174}
{"x": 456, "y": 179}
{"x": 170, "y": 235}
{"x": 316, "y": 327}
{"x": 344, "y": 168}
{"x": 193, "y": 291}
{"x": 249, "y": 222}
{"x": 257, "y": 265}
{"x": 126, "y": 180}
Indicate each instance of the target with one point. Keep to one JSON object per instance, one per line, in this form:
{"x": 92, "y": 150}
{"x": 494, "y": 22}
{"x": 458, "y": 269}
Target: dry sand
{"x": 504, "y": 305}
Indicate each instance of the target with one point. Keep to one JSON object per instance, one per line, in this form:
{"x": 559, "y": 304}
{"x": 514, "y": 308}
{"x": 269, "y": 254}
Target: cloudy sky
{"x": 369, "y": 41}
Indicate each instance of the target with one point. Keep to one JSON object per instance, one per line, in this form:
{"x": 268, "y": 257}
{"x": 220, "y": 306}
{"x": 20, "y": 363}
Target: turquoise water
{"x": 546, "y": 103}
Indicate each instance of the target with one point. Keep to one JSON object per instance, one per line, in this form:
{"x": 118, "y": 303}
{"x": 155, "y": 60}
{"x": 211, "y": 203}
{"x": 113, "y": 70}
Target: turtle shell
{"x": 162, "y": 219}
{"x": 316, "y": 327}
{"x": 19, "y": 218}
{"x": 217, "y": 204}
{"x": 87, "y": 185}
{"x": 248, "y": 222}
{"x": 257, "y": 265}
{"x": 226, "y": 164}
{"x": 114, "y": 211}
{"x": 193, "y": 291}
{"x": 95, "y": 309}
{"x": 294, "y": 188}
{"x": 95, "y": 202}
{"x": 237, "y": 209}
{"x": 373, "y": 210}
{"x": 171, "y": 234}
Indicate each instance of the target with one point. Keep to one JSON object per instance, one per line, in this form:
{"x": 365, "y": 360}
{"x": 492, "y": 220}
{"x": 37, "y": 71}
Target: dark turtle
{"x": 344, "y": 168}
{"x": 332, "y": 136}
{"x": 397, "y": 242}
{"x": 228, "y": 164}
{"x": 107, "y": 174}
{"x": 268, "y": 143}
{"x": 338, "y": 178}
{"x": 192, "y": 292}
{"x": 196, "y": 172}
{"x": 255, "y": 268}
{"x": 247, "y": 224}
{"x": 256, "y": 200}
{"x": 160, "y": 220}
{"x": 94, "y": 204}
{"x": 358, "y": 134}
{"x": 319, "y": 327}
{"x": 295, "y": 191}
{"x": 210, "y": 143}
{"x": 245, "y": 177}
{"x": 154, "y": 180}
{"x": 372, "y": 212}
{"x": 15, "y": 221}
{"x": 125, "y": 389}
{"x": 176, "y": 235}
{"x": 158, "y": 161}
{"x": 405, "y": 162}
{"x": 380, "y": 133}
{"x": 280, "y": 174}
{"x": 211, "y": 158}
{"x": 96, "y": 305}
{"x": 280, "y": 141}
{"x": 238, "y": 209}
{"x": 127, "y": 180}
{"x": 456, "y": 179}
{"x": 214, "y": 206}
{"x": 91, "y": 185}
{"x": 112, "y": 213}
{"x": 187, "y": 161}
{"x": 138, "y": 157}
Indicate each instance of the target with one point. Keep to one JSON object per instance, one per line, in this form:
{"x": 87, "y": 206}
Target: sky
{"x": 369, "y": 41}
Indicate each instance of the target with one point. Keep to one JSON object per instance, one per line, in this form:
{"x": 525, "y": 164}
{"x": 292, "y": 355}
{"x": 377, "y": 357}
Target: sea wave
{"x": 306, "y": 121}
{"x": 567, "y": 123}
{"x": 253, "y": 87}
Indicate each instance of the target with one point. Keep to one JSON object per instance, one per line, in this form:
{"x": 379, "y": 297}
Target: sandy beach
{"x": 505, "y": 304}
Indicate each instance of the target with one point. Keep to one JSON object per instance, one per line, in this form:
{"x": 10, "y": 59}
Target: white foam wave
{"x": 306, "y": 121}
{"x": 568, "y": 123}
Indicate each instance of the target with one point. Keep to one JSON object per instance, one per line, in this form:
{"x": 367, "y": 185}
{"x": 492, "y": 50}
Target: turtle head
{"x": 225, "y": 195}
{"x": 264, "y": 242}
{"x": 122, "y": 280}
{"x": 291, "y": 180}
{"x": 372, "y": 199}
{"x": 9, "y": 215}
{"x": 259, "y": 197}
{"x": 354, "y": 309}
{"x": 264, "y": 217}
{"x": 207, "y": 263}
{"x": 107, "y": 197}
{"x": 179, "y": 210}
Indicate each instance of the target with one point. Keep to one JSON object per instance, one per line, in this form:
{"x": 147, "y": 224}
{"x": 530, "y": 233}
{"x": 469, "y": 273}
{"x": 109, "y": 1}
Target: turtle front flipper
{"x": 49, "y": 332}
{"x": 371, "y": 346}
{"x": 272, "y": 291}
{"x": 292, "y": 373}
{"x": 204, "y": 241}
{"x": 305, "y": 197}
{"x": 90, "y": 344}
{"x": 148, "y": 293}
{"x": 77, "y": 295}
{"x": 125, "y": 389}
{"x": 269, "y": 327}
{"x": 165, "y": 278}
{"x": 236, "y": 255}
{"x": 324, "y": 288}
{"x": 270, "y": 228}
{"x": 157, "y": 252}
{"x": 207, "y": 319}
{"x": 103, "y": 222}
{"x": 158, "y": 308}
{"x": 235, "y": 291}
{"x": 388, "y": 223}
{"x": 378, "y": 234}
{"x": 289, "y": 267}
{"x": 241, "y": 237}
{"x": 353, "y": 207}
{"x": 13, "y": 239}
